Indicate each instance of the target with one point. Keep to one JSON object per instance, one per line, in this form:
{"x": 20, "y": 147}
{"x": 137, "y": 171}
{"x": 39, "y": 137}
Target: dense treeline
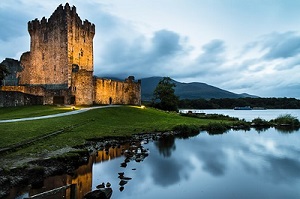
{"x": 268, "y": 103}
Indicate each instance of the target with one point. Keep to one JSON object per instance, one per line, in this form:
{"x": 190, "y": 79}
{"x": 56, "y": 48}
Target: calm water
{"x": 236, "y": 164}
{"x": 232, "y": 165}
{"x": 249, "y": 115}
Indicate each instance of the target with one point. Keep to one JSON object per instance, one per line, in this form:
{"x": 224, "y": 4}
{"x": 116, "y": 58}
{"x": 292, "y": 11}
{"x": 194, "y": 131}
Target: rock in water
{"x": 122, "y": 182}
{"x": 99, "y": 194}
{"x": 102, "y": 185}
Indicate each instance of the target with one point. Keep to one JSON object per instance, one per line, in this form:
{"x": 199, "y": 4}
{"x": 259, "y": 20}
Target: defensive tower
{"x": 57, "y": 45}
{"x": 59, "y": 67}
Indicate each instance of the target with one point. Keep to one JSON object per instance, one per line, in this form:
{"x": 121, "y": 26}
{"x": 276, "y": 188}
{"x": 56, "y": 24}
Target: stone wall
{"x": 33, "y": 90}
{"x": 39, "y": 91}
{"x": 56, "y": 44}
{"x": 109, "y": 91}
{"x": 11, "y": 98}
{"x": 59, "y": 65}
{"x": 80, "y": 36}
{"x": 82, "y": 87}
{"x": 14, "y": 67}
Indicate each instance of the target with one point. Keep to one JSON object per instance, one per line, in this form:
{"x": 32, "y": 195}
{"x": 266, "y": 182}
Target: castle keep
{"x": 59, "y": 66}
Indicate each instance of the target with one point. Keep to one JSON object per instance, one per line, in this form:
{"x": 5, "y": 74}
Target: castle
{"x": 59, "y": 67}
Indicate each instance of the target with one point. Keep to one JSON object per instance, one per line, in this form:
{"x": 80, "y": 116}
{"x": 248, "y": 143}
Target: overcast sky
{"x": 250, "y": 46}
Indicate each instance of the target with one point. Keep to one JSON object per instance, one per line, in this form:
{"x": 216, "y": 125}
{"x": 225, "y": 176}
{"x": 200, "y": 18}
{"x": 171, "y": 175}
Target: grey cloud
{"x": 216, "y": 165}
{"x": 282, "y": 45}
{"x": 139, "y": 53}
{"x": 208, "y": 64}
{"x": 215, "y": 46}
{"x": 214, "y": 161}
{"x": 167, "y": 171}
{"x": 212, "y": 53}
{"x": 165, "y": 43}
{"x": 283, "y": 169}
{"x": 289, "y": 64}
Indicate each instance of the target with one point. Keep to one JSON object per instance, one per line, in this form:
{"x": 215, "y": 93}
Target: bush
{"x": 260, "y": 122}
{"x": 216, "y": 128}
{"x": 186, "y": 131}
{"x": 286, "y": 120}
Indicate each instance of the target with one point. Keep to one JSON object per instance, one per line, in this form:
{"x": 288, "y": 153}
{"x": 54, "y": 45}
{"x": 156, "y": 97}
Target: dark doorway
{"x": 110, "y": 100}
{"x": 72, "y": 100}
{"x": 58, "y": 100}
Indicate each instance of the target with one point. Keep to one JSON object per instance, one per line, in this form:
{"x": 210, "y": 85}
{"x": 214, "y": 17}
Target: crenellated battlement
{"x": 61, "y": 16}
{"x": 60, "y": 65}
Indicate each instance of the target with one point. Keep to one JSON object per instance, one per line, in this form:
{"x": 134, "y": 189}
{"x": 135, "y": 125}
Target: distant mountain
{"x": 194, "y": 90}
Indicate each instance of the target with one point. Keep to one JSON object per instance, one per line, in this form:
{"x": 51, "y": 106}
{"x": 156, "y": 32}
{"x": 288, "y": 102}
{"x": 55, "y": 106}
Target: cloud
{"x": 212, "y": 57}
{"x": 281, "y": 45}
{"x": 165, "y": 43}
{"x": 123, "y": 47}
{"x": 138, "y": 54}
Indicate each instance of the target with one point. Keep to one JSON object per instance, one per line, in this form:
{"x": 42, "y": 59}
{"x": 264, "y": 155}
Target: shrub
{"x": 286, "y": 120}
{"x": 186, "y": 131}
{"x": 260, "y": 122}
{"x": 216, "y": 128}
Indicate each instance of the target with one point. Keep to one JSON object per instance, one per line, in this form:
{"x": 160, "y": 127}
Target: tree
{"x": 164, "y": 95}
{"x": 3, "y": 72}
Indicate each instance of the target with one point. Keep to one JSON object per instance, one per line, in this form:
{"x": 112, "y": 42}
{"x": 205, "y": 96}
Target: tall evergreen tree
{"x": 164, "y": 95}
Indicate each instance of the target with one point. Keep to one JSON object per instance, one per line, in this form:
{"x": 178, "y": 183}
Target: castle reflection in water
{"x": 78, "y": 184}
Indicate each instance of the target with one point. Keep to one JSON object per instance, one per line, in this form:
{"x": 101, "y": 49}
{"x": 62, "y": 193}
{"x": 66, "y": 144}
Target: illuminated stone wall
{"x": 59, "y": 65}
{"x": 56, "y": 44}
{"x": 109, "y": 91}
{"x": 82, "y": 87}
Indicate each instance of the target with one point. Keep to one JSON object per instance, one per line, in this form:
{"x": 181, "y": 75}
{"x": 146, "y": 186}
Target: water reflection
{"x": 287, "y": 129}
{"x": 166, "y": 145}
{"x": 238, "y": 164}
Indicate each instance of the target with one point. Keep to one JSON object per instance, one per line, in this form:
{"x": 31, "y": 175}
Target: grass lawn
{"x": 113, "y": 121}
{"x": 31, "y": 111}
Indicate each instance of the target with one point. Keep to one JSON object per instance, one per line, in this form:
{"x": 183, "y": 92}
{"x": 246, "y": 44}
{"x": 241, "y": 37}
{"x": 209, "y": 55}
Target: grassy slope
{"x": 117, "y": 121}
{"x": 30, "y": 111}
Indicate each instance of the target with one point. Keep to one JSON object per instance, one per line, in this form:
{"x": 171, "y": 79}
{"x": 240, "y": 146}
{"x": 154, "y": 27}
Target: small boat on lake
{"x": 242, "y": 108}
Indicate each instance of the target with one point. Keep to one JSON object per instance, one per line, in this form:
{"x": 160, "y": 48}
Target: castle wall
{"x": 80, "y": 41}
{"x": 108, "y": 91}
{"x": 82, "y": 87}
{"x": 48, "y": 50}
{"x": 47, "y": 96}
{"x": 25, "y": 75}
{"x": 56, "y": 44}
{"x": 59, "y": 65}
{"x": 34, "y": 90}
{"x": 13, "y": 66}
{"x": 12, "y": 98}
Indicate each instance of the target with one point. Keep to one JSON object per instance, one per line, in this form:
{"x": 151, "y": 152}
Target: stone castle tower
{"x": 59, "y": 66}
{"x": 57, "y": 45}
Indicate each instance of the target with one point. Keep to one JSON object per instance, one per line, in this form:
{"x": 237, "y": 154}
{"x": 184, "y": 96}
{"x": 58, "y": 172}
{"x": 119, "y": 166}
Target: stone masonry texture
{"x": 59, "y": 66}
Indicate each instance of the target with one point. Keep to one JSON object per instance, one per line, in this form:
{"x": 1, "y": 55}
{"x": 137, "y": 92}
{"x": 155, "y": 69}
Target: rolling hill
{"x": 194, "y": 90}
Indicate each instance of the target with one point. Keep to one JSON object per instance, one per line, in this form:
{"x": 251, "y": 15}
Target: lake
{"x": 236, "y": 164}
{"x": 248, "y": 115}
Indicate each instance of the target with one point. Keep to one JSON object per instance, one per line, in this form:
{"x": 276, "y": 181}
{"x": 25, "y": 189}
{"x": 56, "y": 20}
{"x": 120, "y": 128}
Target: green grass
{"x": 116, "y": 121}
{"x": 31, "y": 111}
